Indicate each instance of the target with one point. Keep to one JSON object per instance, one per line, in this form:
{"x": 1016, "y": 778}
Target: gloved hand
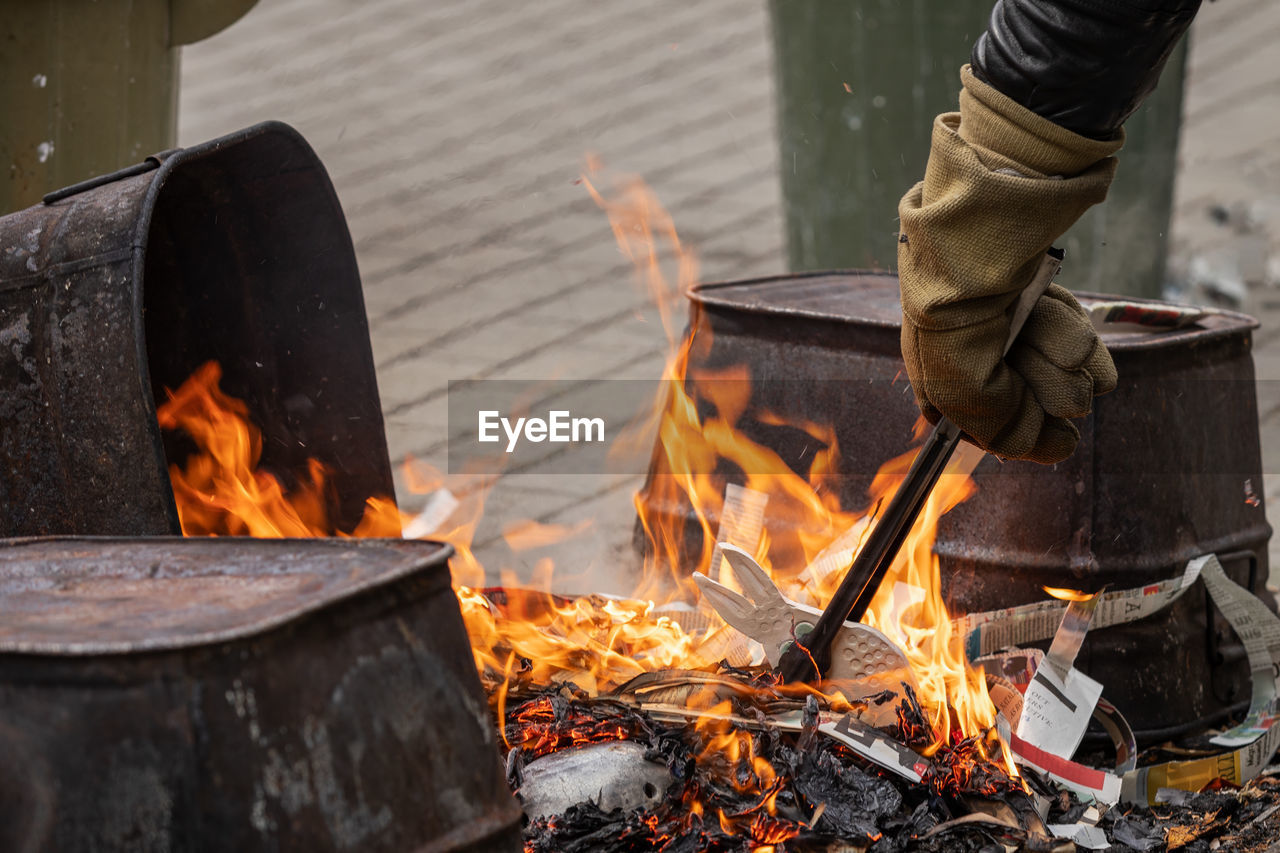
{"x": 1001, "y": 185}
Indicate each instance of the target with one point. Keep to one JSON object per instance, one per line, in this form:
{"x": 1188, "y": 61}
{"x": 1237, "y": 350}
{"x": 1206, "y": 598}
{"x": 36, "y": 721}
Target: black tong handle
{"x": 810, "y": 656}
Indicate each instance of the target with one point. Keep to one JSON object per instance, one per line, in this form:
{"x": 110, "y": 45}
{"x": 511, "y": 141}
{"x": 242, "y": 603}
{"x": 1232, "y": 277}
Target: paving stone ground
{"x": 455, "y": 133}
{"x": 1226, "y": 224}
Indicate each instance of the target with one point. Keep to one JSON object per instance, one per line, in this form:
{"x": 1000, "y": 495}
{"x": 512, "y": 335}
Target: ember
{"x": 550, "y": 724}
{"x": 741, "y": 780}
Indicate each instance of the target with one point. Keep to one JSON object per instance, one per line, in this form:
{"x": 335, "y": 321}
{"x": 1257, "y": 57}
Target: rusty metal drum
{"x": 222, "y": 694}
{"x": 111, "y": 291}
{"x": 1169, "y": 467}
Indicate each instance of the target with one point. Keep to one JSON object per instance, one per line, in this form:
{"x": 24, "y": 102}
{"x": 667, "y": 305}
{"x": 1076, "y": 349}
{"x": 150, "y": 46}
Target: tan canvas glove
{"x": 1001, "y": 185}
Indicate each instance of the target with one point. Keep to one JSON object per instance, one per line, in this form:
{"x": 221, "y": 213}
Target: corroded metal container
{"x": 1169, "y": 467}
{"x": 111, "y": 291}
{"x": 222, "y": 694}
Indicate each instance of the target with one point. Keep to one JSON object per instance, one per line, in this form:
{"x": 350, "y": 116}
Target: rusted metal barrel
{"x": 1169, "y": 467}
{"x": 223, "y": 694}
{"x": 236, "y": 251}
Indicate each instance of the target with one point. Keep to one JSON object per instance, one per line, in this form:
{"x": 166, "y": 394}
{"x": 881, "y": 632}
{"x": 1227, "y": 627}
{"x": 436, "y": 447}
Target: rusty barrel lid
{"x": 868, "y": 300}
{"x": 74, "y": 596}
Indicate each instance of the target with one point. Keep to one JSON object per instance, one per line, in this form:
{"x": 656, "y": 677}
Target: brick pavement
{"x": 454, "y": 133}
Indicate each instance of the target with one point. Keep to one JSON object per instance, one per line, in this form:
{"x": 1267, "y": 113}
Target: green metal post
{"x": 859, "y": 83}
{"x": 90, "y": 86}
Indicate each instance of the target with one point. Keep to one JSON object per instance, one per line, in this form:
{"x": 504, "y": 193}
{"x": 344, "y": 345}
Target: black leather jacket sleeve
{"x": 1083, "y": 64}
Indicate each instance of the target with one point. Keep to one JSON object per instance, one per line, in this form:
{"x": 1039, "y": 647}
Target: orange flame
{"x": 1063, "y": 594}
{"x": 690, "y": 445}
{"x": 222, "y": 492}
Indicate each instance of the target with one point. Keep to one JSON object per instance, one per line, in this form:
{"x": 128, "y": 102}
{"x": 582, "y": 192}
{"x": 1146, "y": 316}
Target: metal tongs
{"x": 809, "y": 657}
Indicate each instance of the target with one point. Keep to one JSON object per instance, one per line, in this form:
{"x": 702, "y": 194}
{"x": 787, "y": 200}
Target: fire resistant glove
{"x": 1002, "y": 183}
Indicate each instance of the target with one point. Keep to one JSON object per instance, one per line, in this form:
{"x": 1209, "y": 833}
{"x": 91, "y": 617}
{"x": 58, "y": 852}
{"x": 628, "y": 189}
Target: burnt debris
{"x": 744, "y": 784}
{"x": 736, "y": 789}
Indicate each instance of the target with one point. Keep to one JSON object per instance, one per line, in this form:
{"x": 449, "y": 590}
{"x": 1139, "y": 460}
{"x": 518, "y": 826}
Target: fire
{"x": 594, "y": 642}
{"x": 1063, "y": 594}
{"x": 948, "y": 685}
{"x": 692, "y": 447}
{"x": 222, "y": 491}
{"x": 525, "y": 638}
{"x": 735, "y": 748}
